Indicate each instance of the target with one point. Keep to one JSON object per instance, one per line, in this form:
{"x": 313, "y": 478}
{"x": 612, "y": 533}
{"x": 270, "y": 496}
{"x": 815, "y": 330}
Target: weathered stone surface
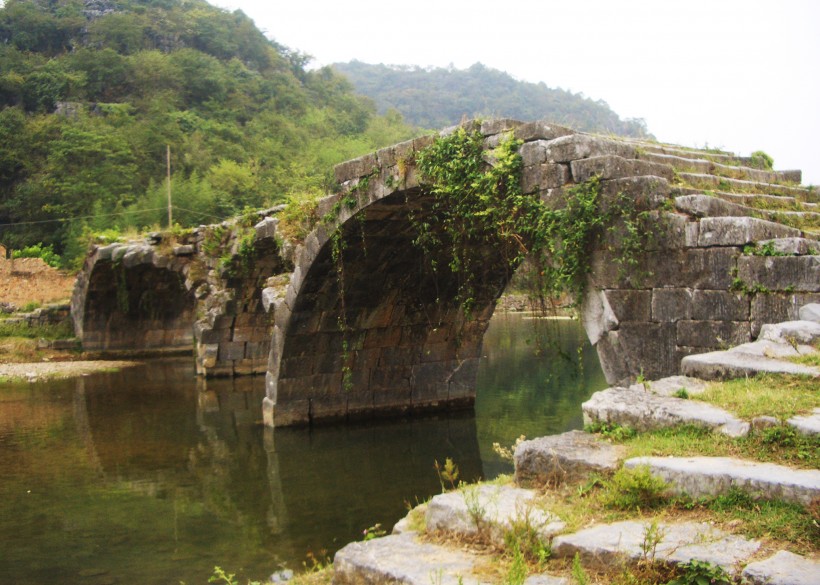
{"x": 784, "y": 568}
{"x": 734, "y": 363}
{"x": 564, "y": 457}
{"x": 739, "y": 231}
{"x": 720, "y": 305}
{"x": 541, "y": 130}
{"x": 708, "y": 206}
{"x": 710, "y": 334}
{"x": 402, "y": 559}
{"x": 597, "y": 316}
{"x": 672, "y": 384}
{"x": 630, "y": 305}
{"x": 810, "y": 312}
{"x": 796, "y": 246}
{"x": 577, "y": 146}
{"x": 791, "y": 332}
{"x": 712, "y": 476}
{"x": 644, "y": 410}
{"x": 807, "y": 424}
{"x": 490, "y": 510}
{"x": 610, "y": 543}
{"x": 616, "y": 167}
{"x": 545, "y": 580}
{"x": 539, "y": 177}
{"x": 780, "y": 273}
{"x": 672, "y": 304}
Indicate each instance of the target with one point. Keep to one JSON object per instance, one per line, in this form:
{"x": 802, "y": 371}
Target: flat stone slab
{"x": 808, "y": 424}
{"x": 402, "y": 559}
{"x": 784, "y": 568}
{"x": 792, "y": 332}
{"x": 644, "y": 410}
{"x": 721, "y": 365}
{"x": 564, "y": 457}
{"x": 712, "y": 476}
{"x": 491, "y": 509}
{"x": 611, "y": 543}
{"x": 672, "y": 384}
{"x": 810, "y": 312}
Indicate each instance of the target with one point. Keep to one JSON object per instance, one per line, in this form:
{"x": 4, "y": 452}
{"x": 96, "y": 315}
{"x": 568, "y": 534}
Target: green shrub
{"x": 45, "y": 253}
{"x": 634, "y": 489}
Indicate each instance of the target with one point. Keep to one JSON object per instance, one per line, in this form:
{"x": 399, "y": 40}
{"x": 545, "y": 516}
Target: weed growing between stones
{"x": 447, "y": 474}
{"x": 634, "y": 489}
{"x": 477, "y": 199}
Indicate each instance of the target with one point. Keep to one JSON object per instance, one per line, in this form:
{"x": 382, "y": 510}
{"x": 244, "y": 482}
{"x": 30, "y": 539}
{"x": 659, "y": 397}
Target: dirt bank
{"x": 34, "y": 371}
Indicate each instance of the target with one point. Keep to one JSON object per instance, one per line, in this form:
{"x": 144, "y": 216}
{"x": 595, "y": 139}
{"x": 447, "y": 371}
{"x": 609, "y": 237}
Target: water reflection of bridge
{"x": 157, "y": 433}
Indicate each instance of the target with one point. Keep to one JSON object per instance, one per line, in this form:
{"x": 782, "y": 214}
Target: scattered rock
{"x": 712, "y": 476}
{"x": 643, "y": 410}
{"x": 491, "y": 510}
{"x": 678, "y": 543}
{"x": 784, "y": 568}
{"x": 559, "y": 458}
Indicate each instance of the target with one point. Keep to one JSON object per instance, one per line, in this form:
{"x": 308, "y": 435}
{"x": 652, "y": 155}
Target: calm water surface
{"x": 152, "y": 476}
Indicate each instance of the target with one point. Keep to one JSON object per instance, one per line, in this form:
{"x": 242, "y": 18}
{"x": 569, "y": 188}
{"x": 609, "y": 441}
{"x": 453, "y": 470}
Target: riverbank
{"x": 35, "y": 371}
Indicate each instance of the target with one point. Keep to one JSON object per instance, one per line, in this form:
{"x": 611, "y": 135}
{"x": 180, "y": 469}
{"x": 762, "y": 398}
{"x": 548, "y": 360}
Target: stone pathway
{"x": 490, "y": 511}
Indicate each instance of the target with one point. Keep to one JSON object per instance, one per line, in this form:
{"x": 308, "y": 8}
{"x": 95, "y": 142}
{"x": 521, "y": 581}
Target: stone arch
{"x": 130, "y": 297}
{"x": 402, "y": 342}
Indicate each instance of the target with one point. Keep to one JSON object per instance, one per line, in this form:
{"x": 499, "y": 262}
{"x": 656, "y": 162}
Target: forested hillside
{"x": 92, "y": 91}
{"x": 434, "y": 98}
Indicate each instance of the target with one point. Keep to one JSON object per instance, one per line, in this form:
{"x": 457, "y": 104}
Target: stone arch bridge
{"x": 394, "y": 340}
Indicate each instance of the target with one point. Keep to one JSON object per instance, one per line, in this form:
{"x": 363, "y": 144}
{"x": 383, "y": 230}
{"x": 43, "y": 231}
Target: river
{"x": 153, "y": 476}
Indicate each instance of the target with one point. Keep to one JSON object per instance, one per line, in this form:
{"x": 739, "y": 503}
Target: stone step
{"x": 644, "y": 410}
{"x": 608, "y": 544}
{"x": 558, "y": 458}
{"x": 769, "y": 354}
{"x": 701, "y": 205}
{"x": 490, "y": 511}
{"x": 713, "y": 476}
{"x": 754, "y": 200}
{"x": 726, "y": 158}
{"x": 404, "y": 559}
{"x": 711, "y": 167}
{"x": 704, "y": 181}
{"x": 737, "y": 363}
{"x": 808, "y": 424}
{"x": 784, "y": 568}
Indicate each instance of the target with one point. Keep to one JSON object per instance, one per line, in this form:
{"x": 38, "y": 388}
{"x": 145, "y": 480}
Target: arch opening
{"x": 375, "y": 330}
{"x": 143, "y": 307}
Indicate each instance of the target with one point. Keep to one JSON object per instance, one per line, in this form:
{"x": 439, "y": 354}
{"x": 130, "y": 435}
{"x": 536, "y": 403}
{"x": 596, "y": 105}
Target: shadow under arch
{"x": 369, "y": 327}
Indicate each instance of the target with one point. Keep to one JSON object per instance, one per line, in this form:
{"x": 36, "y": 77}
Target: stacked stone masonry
{"x": 371, "y": 331}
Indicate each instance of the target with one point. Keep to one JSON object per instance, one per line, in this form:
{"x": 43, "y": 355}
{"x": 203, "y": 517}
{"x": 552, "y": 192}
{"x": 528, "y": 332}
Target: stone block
{"x": 671, "y": 304}
{"x": 777, "y": 307}
{"x": 708, "y": 206}
{"x": 328, "y": 408}
{"x": 616, "y": 167}
{"x": 540, "y": 130}
{"x": 533, "y": 153}
{"x": 713, "y": 334}
{"x": 795, "y": 246}
{"x": 711, "y": 476}
{"x": 577, "y": 146}
{"x": 780, "y": 273}
{"x": 649, "y": 347}
{"x": 566, "y": 457}
{"x": 630, "y": 305}
{"x": 231, "y": 350}
{"x": 291, "y": 413}
{"x": 499, "y": 125}
{"x": 539, "y": 177}
{"x": 719, "y": 305}
{"x": 739, "y": 231}
{"x": 462, "y": 382}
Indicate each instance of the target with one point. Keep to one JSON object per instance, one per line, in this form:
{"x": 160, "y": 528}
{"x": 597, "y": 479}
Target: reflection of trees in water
{"x": 532, "y": 380}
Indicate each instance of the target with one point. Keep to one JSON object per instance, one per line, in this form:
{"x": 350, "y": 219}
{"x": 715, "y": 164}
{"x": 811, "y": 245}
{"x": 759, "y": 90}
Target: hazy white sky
{"x": 742, "y": 75}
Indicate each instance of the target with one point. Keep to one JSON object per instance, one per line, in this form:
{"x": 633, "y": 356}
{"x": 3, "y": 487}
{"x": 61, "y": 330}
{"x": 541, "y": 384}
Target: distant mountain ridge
{"x": 438, "y": 97}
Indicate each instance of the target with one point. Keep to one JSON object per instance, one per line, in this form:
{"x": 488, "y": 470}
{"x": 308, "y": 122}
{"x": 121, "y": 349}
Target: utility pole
{"x": 168, "y": 161}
